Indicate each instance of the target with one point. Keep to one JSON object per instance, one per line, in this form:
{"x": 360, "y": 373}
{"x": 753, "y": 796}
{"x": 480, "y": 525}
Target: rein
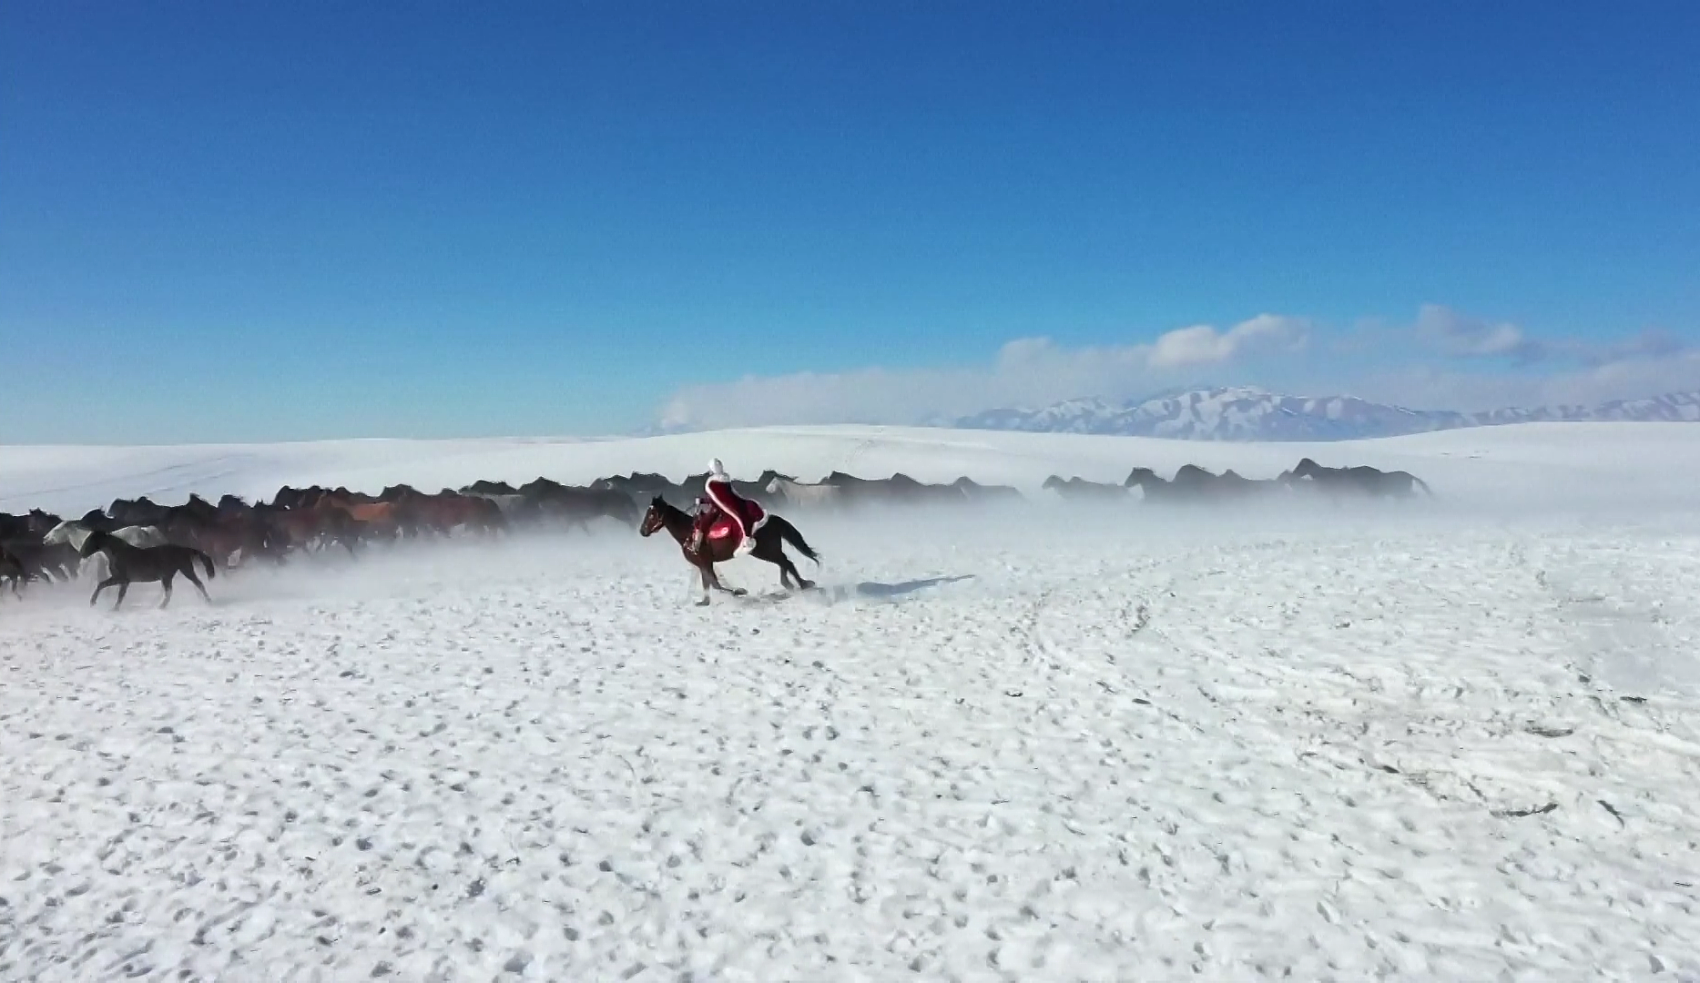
{"x": 675, "y": 520}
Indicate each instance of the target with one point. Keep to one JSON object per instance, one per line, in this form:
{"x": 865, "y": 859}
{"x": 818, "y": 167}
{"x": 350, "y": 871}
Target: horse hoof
{"x": 739, "y": 592}
{"x": 702, "y": 604}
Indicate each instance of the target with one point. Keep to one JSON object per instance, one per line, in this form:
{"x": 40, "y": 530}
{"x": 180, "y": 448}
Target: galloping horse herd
{"x": 138, "y": 540}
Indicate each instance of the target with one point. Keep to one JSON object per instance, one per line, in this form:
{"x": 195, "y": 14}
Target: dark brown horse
{"x": 142, "y": 564}
{"x": 12, "y": 569}
{"x": 770, "y": 546}
{"x": 442, "y": 513}
{"x": 1361, "y": 480}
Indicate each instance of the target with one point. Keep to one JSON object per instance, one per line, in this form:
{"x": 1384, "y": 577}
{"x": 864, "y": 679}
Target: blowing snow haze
{"x": 1248, "y": 413}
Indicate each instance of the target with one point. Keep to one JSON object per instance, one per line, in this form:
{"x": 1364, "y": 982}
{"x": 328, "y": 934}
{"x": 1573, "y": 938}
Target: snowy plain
{"x": 1453, "y": 739}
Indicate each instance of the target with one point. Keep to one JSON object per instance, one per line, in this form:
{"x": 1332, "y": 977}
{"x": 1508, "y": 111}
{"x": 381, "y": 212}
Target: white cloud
{"x": 1037, "y": 371}
{"x": 1025, "y": 372}
{"x": 1649, "y": 344}
{"x": 1463, "y": 336}
{"x": 1202, "y": 343}
{"x": 1428, "y": 387}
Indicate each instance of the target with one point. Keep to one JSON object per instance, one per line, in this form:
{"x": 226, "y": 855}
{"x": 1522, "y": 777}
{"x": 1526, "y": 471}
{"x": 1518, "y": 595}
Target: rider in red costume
{"x": 723, "y": 501}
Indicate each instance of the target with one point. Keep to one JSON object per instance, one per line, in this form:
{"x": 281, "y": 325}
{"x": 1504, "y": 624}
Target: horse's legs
{"x": 775, "y": 554}
{"x": 714, "y": 578}
{"x": 705, "y": 571}
{"x": 770, "y": 552}
{"x": 189, "y": 571}
{"x": 104, "y": 584}
{"x": 123, "y": 588}
{"x": 786, "y": 566}
{"x": 165, "y": 582}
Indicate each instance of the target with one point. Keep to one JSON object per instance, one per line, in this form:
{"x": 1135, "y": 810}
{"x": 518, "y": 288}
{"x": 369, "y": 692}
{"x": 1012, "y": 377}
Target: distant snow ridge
{"x": 1249, "y": 413}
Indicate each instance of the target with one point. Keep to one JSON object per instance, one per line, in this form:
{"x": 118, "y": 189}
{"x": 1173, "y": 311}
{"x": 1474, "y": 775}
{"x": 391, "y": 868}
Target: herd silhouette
{"x": 1193, "y": 484}
{"x": 138, "y": 540}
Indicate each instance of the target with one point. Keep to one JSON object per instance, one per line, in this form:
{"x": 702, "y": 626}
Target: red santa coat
{"x": 747, "y": 515}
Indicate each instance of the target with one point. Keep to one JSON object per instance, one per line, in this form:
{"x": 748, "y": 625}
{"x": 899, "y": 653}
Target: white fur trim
{"x": 722, "y": 506}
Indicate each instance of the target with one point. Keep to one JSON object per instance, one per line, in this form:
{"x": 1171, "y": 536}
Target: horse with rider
{"x": 724, "y": 518}
{"x": 722, "y": 513}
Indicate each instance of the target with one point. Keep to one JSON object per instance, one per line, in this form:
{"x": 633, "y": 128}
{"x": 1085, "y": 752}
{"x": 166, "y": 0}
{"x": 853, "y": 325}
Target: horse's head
{"x": 655, "y": 517}
{"x": 1307, "y": 468}
{"x": 1139, "y": 476}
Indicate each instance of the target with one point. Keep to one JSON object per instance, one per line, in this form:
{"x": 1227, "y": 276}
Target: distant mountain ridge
{"x": 1247, "y": 413}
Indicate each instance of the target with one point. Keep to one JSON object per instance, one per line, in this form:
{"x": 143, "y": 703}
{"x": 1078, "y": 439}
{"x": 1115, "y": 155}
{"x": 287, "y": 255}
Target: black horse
{"x": 1363, "y": 480}
{"x": 770, "y": 546}
{"x": 150, "y": 564}
{"x": 13, "y": 570}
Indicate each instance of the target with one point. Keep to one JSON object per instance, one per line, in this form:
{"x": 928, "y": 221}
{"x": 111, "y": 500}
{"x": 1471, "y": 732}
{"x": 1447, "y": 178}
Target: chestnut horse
{"x": 770, "y": 546}
{"x": 442, "y": 513}
{"x": 379, "y": 518}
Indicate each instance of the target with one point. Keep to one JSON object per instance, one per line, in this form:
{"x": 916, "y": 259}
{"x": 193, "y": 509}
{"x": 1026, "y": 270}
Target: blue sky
{"x": 236, "y": 222}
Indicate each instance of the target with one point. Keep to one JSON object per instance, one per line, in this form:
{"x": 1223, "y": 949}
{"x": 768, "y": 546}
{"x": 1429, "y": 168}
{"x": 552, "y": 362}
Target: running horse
{"x": 722, "y": 540}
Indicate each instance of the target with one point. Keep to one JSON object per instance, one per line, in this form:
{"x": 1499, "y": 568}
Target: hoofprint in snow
{"x": 1431, "y": 741}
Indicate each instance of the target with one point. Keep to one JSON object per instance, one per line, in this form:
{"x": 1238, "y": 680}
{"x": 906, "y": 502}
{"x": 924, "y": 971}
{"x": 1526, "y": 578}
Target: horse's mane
{"x": 667, "y": 507}
{"x": 98, "y": 540}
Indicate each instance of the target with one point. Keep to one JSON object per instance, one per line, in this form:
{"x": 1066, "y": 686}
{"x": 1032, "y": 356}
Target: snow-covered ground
{"x": 1456, "y": 739}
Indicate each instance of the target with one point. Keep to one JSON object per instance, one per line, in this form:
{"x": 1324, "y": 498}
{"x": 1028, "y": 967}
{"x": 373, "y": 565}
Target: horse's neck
{"x": 678, "y": 522}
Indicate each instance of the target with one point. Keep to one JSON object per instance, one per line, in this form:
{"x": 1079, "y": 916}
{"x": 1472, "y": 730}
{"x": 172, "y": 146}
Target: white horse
{"x": 75, "y": 532}
{"x": 805, "y": 496}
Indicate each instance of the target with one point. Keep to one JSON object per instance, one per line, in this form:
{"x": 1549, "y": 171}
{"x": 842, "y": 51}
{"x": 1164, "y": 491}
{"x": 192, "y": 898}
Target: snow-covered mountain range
{"x": 1248, "y": 413}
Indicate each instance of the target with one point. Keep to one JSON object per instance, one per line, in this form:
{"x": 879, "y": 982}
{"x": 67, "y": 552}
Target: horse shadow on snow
{"x": 866, "y": 590}
{"x": 874, "y": 589}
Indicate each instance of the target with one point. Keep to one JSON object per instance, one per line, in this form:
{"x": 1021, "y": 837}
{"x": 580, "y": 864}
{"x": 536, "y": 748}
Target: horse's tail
{"x": 206, "y": 562}
{"x": 1423, "y": 485}
{"x": 789, "y": 533}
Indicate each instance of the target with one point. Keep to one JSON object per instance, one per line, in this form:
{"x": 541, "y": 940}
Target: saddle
{"x": 722, "y": 528}
{"x": 721, "y": 525}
